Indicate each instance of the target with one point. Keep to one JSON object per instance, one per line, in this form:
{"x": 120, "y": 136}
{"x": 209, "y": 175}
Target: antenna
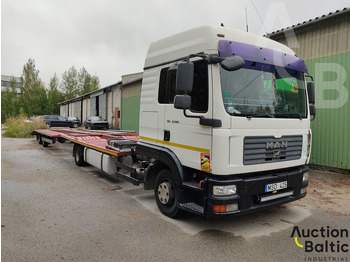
{"x": 246, "y": 18}
{"x": 262, "y": 22}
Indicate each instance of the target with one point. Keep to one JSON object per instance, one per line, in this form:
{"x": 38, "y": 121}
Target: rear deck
{"x": 97, "y": 140}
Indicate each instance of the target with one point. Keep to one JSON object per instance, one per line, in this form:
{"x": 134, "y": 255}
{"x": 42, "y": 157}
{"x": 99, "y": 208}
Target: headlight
{"x": 305, "y": 177}
{"x": 227, "y": 190}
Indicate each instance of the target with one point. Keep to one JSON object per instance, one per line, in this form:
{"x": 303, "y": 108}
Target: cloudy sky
{"x": 110, "y": 38}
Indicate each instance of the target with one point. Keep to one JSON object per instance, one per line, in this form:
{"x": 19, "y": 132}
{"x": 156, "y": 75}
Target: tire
{"x": 166, "y": 194}
{"x": 75, "y": 125}
{"x": 45, "y": 144}
{"x": 38, "y": 137}
{"x": 78, "y": 154}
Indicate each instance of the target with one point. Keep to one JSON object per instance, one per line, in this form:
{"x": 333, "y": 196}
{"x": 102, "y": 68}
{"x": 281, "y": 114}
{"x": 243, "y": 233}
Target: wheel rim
{"x": 166, "y": 193}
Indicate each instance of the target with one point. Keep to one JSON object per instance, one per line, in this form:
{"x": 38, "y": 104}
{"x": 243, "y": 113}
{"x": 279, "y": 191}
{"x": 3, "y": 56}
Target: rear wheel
{"x": 38, "y": 137}
{"x": 166, "y": 193}
{"x": 78, "y": 153}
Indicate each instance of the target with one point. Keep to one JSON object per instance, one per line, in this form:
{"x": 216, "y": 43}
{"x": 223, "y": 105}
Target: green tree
{"x": 54, "y": 96}
{"x": 76, "y": 83}
{"x": 9, "y": 101}
{"x": 86, "y": 82}
{"x": 33, "y": 96}
{"x": 69, "y": 83}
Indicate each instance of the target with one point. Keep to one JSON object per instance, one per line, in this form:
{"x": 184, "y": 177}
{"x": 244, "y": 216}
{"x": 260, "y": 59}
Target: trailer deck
{"x": 98, "y": 140}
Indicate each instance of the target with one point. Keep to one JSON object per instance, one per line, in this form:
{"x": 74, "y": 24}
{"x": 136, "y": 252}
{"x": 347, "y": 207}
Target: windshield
{"x": 261, "y": 90}
{"x": 96, "y": 118}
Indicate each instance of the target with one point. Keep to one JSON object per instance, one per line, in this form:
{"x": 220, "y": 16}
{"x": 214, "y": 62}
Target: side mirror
{"x": 232, "y": 63}
{"x": 182, "y": 102}
{"x": 311, "y": 92}
{"x": 184, "y": 77}
{"x": 312, "y": 110}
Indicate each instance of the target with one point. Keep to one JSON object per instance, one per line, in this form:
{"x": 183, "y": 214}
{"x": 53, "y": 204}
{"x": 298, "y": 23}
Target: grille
{"x": 267, "y": 149}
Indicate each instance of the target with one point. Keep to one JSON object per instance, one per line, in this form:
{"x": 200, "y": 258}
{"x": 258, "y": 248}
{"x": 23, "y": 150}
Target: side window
{"x": 167, "y": 84}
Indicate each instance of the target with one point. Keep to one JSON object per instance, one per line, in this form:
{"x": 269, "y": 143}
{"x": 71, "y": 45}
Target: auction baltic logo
{"x": 329, "y": 244}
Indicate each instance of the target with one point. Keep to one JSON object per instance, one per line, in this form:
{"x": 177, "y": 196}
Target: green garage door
{"x": 130, "y": 113}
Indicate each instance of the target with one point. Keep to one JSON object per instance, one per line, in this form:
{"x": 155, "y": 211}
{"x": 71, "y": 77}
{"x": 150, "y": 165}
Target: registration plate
{"x": 275, "y": 186}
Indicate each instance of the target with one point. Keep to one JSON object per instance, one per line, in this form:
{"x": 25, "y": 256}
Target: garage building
{"x": 323, "y": 43}
{"x": 119, "y": 103}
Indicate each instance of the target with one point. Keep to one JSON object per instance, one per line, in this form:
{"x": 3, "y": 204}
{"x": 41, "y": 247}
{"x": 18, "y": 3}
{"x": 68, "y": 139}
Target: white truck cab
{"x": 225, "y": 115}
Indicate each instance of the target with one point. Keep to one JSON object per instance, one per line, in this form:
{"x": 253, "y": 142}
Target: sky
{"x": 110, "y": 38}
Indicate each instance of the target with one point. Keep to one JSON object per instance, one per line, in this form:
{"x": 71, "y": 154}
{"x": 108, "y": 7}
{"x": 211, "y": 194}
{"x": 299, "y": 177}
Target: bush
{"x": 21, "y": 127}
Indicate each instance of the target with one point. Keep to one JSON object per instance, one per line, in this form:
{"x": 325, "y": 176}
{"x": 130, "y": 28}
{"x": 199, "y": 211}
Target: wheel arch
{"x": 164, "y": 159}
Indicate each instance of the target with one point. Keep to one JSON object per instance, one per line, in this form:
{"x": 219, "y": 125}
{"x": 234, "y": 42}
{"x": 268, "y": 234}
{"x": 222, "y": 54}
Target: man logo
{"x": 276, "y": 145}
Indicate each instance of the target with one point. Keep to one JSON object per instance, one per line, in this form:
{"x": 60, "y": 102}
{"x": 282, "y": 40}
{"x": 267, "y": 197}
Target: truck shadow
{"x": 257, "y": 224}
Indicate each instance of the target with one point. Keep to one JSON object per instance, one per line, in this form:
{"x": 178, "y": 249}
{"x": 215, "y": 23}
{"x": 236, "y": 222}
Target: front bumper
{"x": 251, "y": 195}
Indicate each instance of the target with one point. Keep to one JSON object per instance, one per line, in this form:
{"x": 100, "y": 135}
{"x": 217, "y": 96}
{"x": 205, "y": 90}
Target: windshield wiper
{"x": 288, "y": 115}
{"x": 267, "y": 115}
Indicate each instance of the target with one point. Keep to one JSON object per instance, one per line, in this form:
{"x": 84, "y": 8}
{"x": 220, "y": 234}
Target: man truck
{"x": 224, "y": 125}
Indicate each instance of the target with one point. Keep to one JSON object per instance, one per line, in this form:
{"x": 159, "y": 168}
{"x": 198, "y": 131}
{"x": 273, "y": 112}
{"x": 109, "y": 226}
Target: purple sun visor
{"x": 261, "y": 55}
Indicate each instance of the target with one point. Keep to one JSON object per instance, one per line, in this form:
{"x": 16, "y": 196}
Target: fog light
{"x": 303, "y": 190}
{"x": 305, "y": 177}
{"x": 225, "y": 208}
{"x": 224, "y": 190}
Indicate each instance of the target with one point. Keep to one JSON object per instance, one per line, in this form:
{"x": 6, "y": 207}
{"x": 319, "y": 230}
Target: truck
{"x": 224, "y": 125}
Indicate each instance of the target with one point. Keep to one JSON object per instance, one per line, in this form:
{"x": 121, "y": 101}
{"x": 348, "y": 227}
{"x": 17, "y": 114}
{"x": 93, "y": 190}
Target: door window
{"x": 199, "y": 94}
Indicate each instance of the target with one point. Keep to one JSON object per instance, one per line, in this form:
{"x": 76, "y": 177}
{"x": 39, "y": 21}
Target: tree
{"x": 86, "y": 82}
{"x": 54, "y": 96}
{"x": 33, "y": 96}
{"x": 9, "y": 101}
{"x": 76, "y": 83}
{"x": 69, "y": 83}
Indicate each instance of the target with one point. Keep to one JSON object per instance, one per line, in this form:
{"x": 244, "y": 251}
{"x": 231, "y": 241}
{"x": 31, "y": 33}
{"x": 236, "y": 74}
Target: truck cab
{"x": 225, "y": 115}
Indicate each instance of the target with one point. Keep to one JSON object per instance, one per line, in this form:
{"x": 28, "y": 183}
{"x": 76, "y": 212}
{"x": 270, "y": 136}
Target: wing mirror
{"x": 184, "y": 77}
{"x": 312, "y": 99}
{"x": 311, "y": 92}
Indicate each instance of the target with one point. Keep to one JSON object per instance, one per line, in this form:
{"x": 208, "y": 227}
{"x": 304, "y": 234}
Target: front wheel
{"x": 166, "y": 194}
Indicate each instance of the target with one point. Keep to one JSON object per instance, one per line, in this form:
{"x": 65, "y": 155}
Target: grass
{"x": 20, "y": 127}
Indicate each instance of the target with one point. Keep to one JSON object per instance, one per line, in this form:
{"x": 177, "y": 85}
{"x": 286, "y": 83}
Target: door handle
{"x": 166, "y": 135}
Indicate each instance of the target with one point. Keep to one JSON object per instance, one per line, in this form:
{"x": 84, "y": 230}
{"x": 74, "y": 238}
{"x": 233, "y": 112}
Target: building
{"x": 323, "y": 43}
{"x": 6, "y": 83}
{"x": 119, "y": 103}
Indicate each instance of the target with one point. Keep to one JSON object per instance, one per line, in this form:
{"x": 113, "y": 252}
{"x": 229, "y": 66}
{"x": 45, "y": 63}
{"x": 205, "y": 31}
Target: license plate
{"x": 275, "y": 186}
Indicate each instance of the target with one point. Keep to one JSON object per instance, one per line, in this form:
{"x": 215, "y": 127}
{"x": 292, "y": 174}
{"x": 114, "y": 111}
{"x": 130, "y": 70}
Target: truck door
{"x": 184, "y": 135}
